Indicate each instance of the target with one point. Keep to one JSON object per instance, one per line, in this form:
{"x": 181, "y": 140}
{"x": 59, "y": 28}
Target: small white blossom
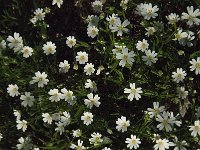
{"x": 150, "y": 31}
{"x": 89, "y": 69}
{"x": 92, "y": 31}
{"x": 113, "y": 20}
{"x": 66, "y": 118}
{"x": 68, "y": 96}
{"x": 87, "y": 118}
{"x": 58, "y": 2}
{"x": 12, "y": 90}
{"x": 76, "y": 133}
{"x": 49, "y": 48}
{"x": 97, "y": 5}
{"x": 133, "y": 92}
{"x": 82, "y": 57}
{"x": 153, "y": 112}
{"x": 173, "y": 18}
{"x": 162, "y": 144}
{"x": 17, "y": 114}
{"x": 182, "y": 93}
{"x": 195, "y": 65}
{"x": 91, "y": 85}
{"x": 71, "y": 41}
{"x": 150, "y": 57}
{"x": 47, "y": 118}
{"x": 179, "y": 75}
{"x": 55, "y": 95}
{"x": 79, "y": 146}
{"x": 195, "y": 129}
{"x": 27, "y": 51}
{"x": 27, "y": 99}
{"x": 2, "y": 44}
{"x": 21, "y": 125}
{"x": 96, "y": 139}
{"x": 142, "y": 45}
{"x": 92, "y": 101}
{"x": 40, "y": 78}
{"x": 122, "y": 124}
{"x": 133, "y": 142}
{"x": 125, "y": 57}
{"x": 15, "y": 42}
{"x": 39, "y": 14}
{"x": 64, "y": 66}
{"x": 120, "y": 28}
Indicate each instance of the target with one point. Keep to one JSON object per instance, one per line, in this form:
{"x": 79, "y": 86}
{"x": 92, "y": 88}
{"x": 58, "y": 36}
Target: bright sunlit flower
{"x": 39, "y": 14}
{"x": 40, "y": 78}
{"x": 68, "y": 96}
{"x": 89, "y": 69}
{"x": 122, "y": 124}
{"x": 58, "y": 2}
{"x": 191, "y": 16}
{"x": 133, "y": 92}
{"x": 133, "y": 142}
{"x": 162, "y": 144}
{"x": 179, "y": 75}
{"x": 125, "y": 57}
{"x": 49, "y": 48}
{"x": 87, "y": 118}
{"x": 153, "y": 112}
{"x": 71, "y": 41}
{"x": 95, "y": 139}
{"x": 21, "y": 125}
{"x": 15, "y": 42}
{"x": 91, "y": 85}
{"x": 195, "y": 129}
{"x": 82, "y": 57}
{"x": 195, "y": 65}
{"x": 47, "y": 118}
{"x": 27, "y": 51}
{"x": 92, "y": 101}
{"x": 12, "y": 90}
{"x": 55, "y": 95}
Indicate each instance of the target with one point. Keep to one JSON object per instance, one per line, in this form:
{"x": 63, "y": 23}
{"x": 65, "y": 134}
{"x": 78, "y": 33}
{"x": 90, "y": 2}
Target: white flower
{"x": 89, "y": 69}
{"x": 79, "y": 146}
{"x": 195, "y": 65}
{"x": 92, "y": 101}
{"x": 55, "y": 95}
{"x": 40, "y": 78}
{"x": 66, "y": 118}
{"x": 133, "y": 142}
{"x": 27, "y": 51}
{"x": 64, "y": 66}
{"x": 191, "y": 16}
{"x": 182, "y": 93}
{"x": 187, "y": 40}
{"x": 56, "y": 116}
{"x": 24, "y": 144}
{"x": 118, "y": 49}
{"x": 15, "y": 42}
{"x": 133, "y": 92}
{"x": 58, "y": 2}
{"x": 91, "y": 85}
{"x": 148, "y": 11}
{"x": 113, "y": 20}
{"x": 39, "y": 14}
{"x": 124, "y": 3}
{"x": 71, "y": 41}
{"x": 33, "y": 20}
{"x": 150, "y": 57}
{"x": 167, "y": 121}
{"x": 27, "y": 99}
{"x": 125, "y": 57}
{"x": 12, "y": 90}
{"x": 2, "y": 44}
{"x": 97, "y": 5}
{"x": 21, "y": 125}
{"x": 162, "y": 144}
{"x": 87, "y": 118}
{"x": 96, "y": 139}
{"x": 1, "y": 136}
{"x": 47, "y": 118}
{"x": 17, "y": 114}
{"x": 142, "y": 45}
{"x": 173, "y": 18}
{"x": 153, "y": 112}
{"x": 120, "y": 27}
{"x": 60, "y": 127}
{"x": 179, "y": 75}
{"x": 49, "y": 48}
{"x": 92, "y": 31}
{"x": 179, "y": 145}
{"x": 82, "y": 57}
{"x": 36, "y": 149}
{"x": 195, "y": 129}
{"x": 122, "y": 124}
{"x": 68, "y": 96}
{"x": 77, "y": 133}
{"x": 92, "y": 20}
{"x": 150, "y": 31}
{"x": 180, "y": 35}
